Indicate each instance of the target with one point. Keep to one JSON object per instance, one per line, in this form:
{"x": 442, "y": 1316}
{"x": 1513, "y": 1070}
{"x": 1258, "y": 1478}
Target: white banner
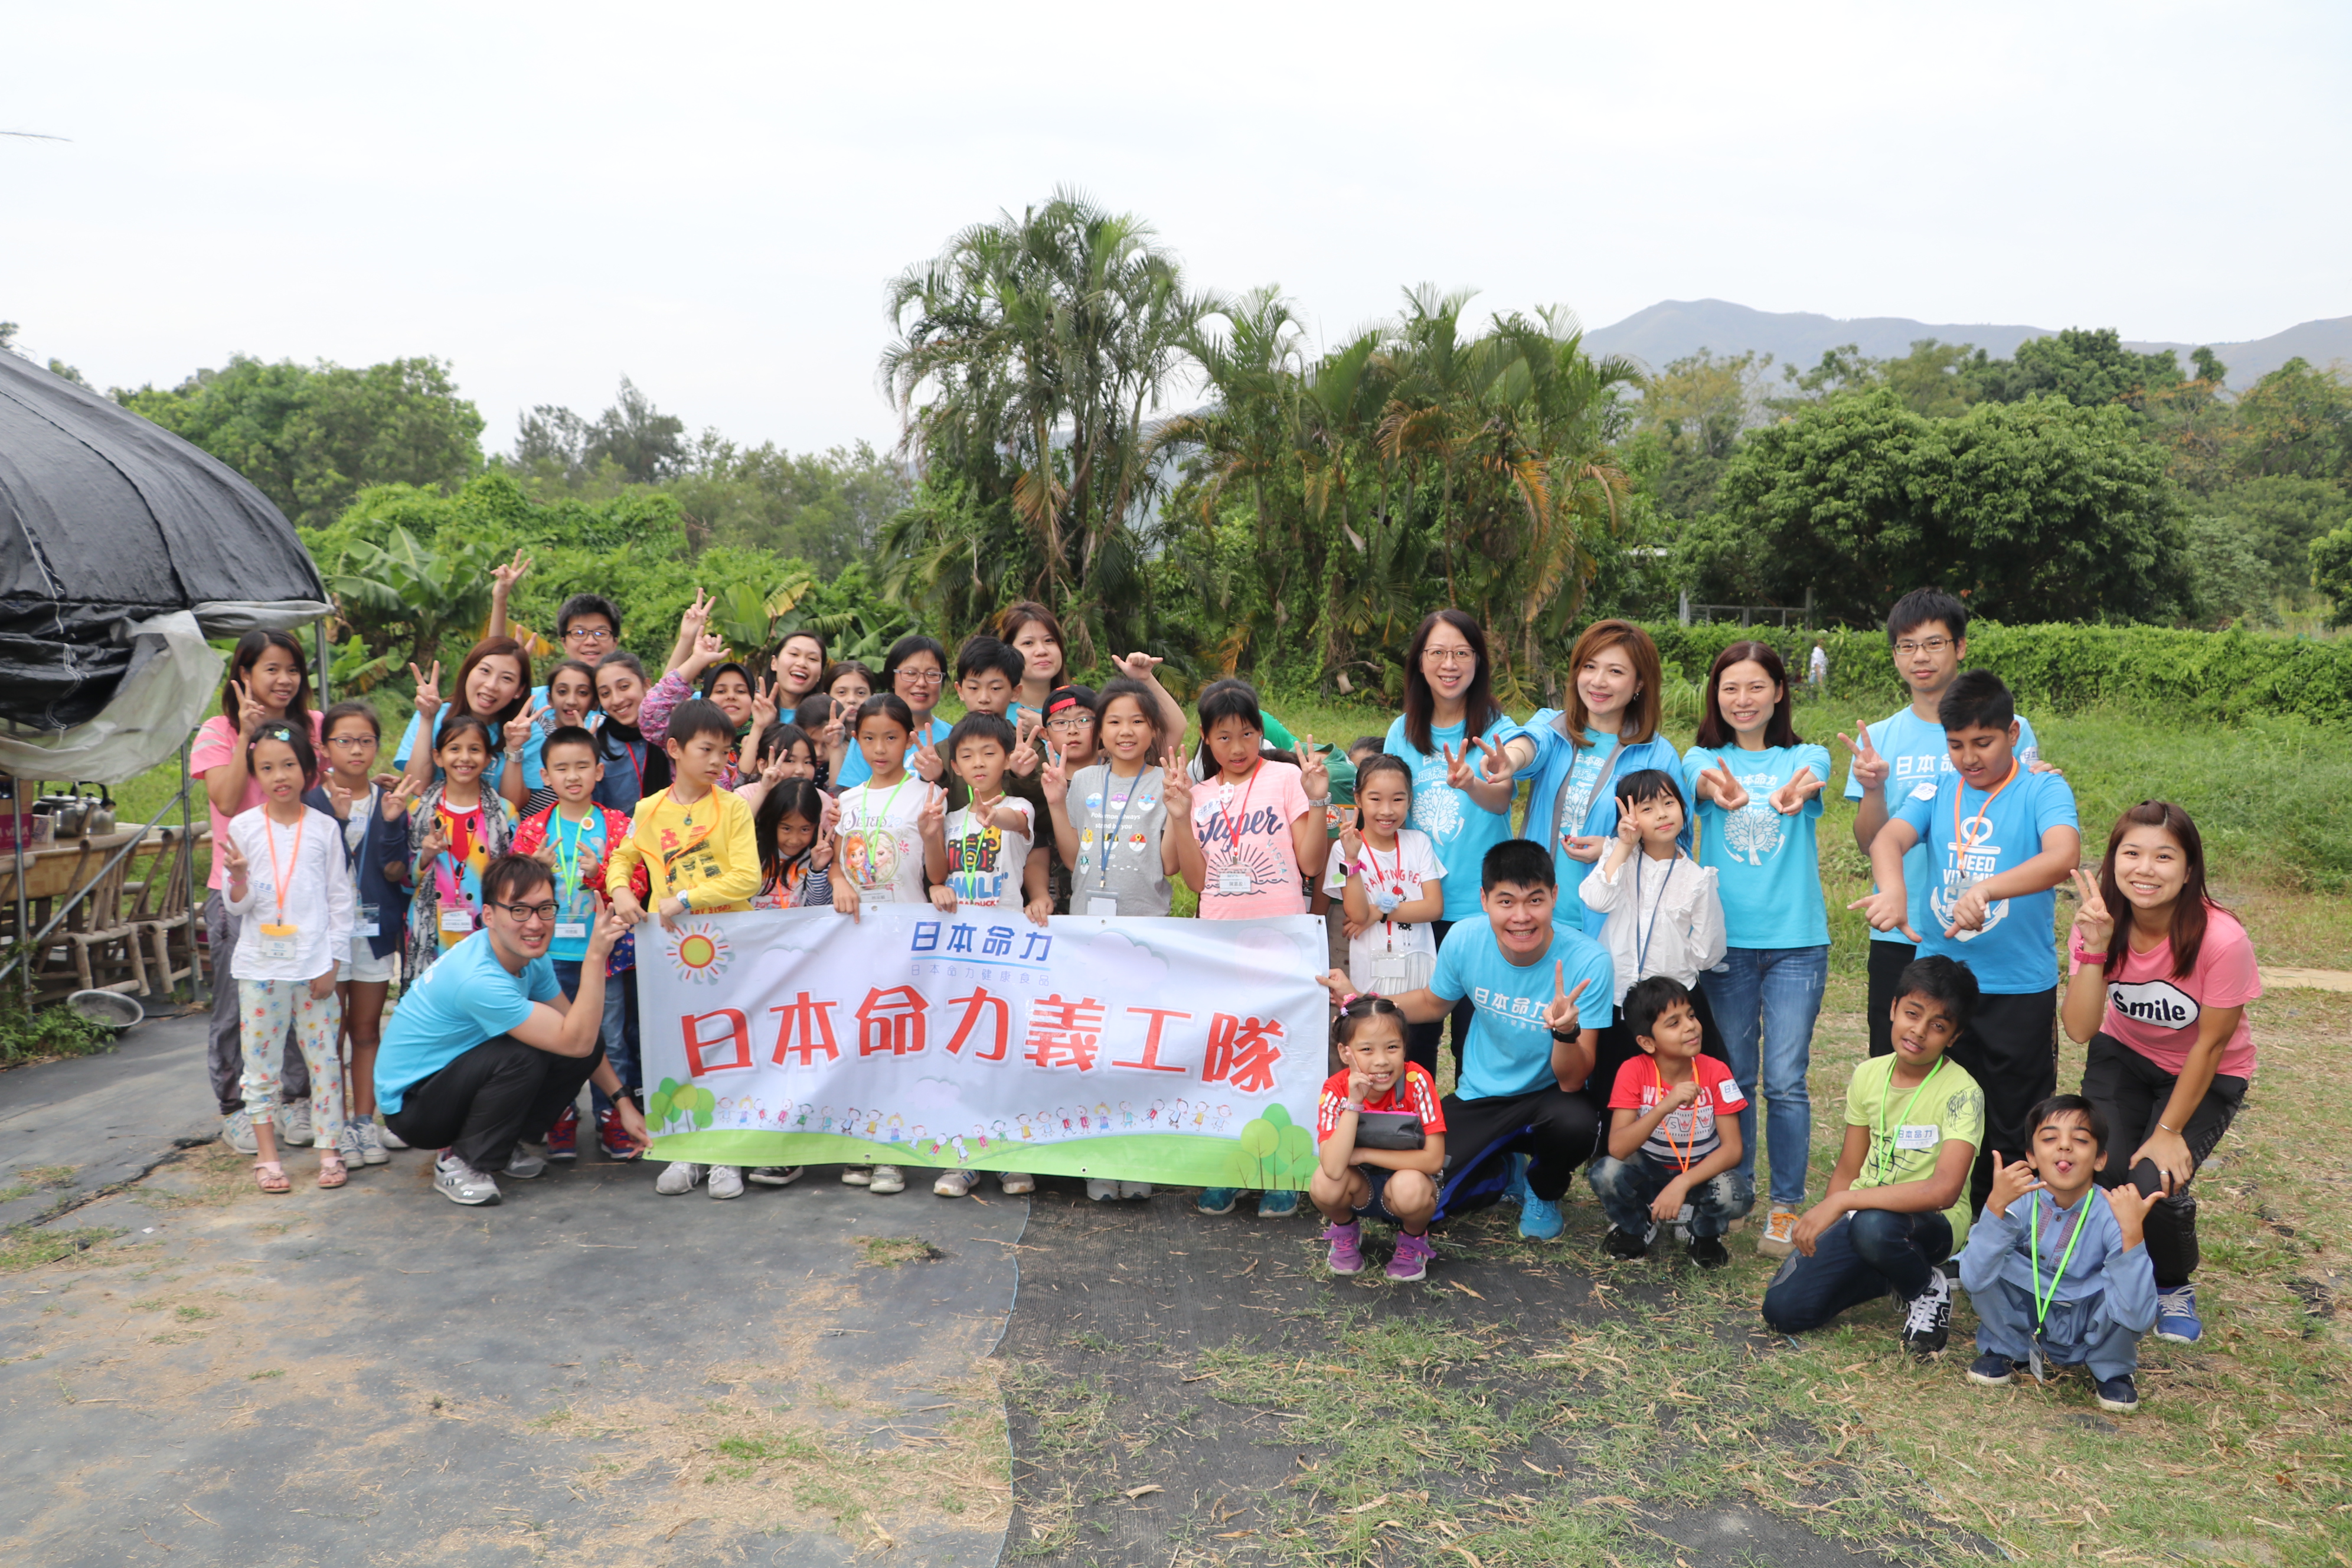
{"x": 1183, "y": 1051}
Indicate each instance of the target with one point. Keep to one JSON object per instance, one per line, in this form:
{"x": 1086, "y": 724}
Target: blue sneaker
{"x": 2117, "y": 1394}
{"x": 1517, "y": 1193}
{"x": 1219, "y": 1200}
{"x": 2176, "y": 1315}
{"x": 1539, "y": 1218}
{"x": 1276, "y": 1206}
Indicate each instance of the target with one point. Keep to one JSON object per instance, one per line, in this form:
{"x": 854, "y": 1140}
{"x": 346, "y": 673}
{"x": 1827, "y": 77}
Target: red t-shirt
{"x": 1685, "y": 1136}
{"x": 2156, "y": 1012}
{"x": 1413, "y": 1093}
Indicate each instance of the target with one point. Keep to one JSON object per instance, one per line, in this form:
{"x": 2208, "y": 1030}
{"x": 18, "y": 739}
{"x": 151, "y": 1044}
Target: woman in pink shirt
{"x": 2158, "y": 987}
{"x": 269, "y": 682}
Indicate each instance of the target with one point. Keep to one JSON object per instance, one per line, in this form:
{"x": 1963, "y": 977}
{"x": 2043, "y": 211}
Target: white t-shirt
{"x": 881, "y": 840}
{"x": 1390, "y": 958}
{"x": 985, "y": 863}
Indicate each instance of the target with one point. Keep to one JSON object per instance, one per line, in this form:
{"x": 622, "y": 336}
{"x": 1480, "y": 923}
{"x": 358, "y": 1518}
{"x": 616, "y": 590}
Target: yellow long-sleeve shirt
{"x": 704, "y": 855}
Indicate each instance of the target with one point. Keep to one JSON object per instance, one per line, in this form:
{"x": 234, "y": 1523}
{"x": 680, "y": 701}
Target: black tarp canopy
{"x": 106, "y": 520}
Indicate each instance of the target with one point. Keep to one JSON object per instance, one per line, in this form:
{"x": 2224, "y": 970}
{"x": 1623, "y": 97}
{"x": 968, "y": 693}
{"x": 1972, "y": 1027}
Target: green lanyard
{"x": 568, "y": 870}
{"x": 1888, "y": 1149}
{"x": 2042, "y": 1303}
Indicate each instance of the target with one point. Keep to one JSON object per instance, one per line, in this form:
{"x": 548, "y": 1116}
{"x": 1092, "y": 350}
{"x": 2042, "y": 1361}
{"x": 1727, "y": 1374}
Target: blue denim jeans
{"x": 1772, "y": 995}
{"x": 1860, "y": 1259}
{"x": 618, "y": 1031}
{"x": 1627, "y": 1188}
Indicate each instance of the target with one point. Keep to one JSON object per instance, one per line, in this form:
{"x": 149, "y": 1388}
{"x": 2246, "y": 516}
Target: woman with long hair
{"x": 493, "y": 685}
{"x": 2160, "y": 979}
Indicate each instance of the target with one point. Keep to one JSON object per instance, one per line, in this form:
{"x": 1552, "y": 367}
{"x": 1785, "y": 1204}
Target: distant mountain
{"x": 1673, "y": 328}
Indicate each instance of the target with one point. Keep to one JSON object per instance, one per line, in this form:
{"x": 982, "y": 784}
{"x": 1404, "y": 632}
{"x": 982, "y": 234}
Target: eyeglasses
{"x": 1925, "y": 644}
{"x": 528, "y": 914}
{"x": 1448, "y": 656}
{"x": 1071, "y": 722}
{"x": 353, "y": 742}
{"x": 583, "y": 634}
{"x": 920, "y": 677}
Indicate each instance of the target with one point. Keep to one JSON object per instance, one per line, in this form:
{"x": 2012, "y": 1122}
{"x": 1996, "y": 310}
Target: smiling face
{"x": 274, "y": 678}
{"x": 794, "y": 834}
{"x": 1234, "y": 743}
{"x": 463, "y": 757}
{"x": 1127, "y": 731}
{"x": 1981, "y": 754}
{"x": 588, "y": 638}
{"x": 1674, "y": 1033}
{"x": 1928, "y": 656}
{"x": 571, "y": 694}
{"x": 1660, "y": 820}
{"x": 918, "y": 681}
{"x": 1521, "y": 916}
{"x": 1607, "y": 682}
{"x": 733, "y": 695}
{"x": 1037, "y": 645}
{"x": 494, "y": 683}
{"x": 2065, "y": 1156}
{"x": 619, "y": 690}
{"x": 1382, "y": 803}
{"x": 798, "y": 664}
{"x": 1376, "y": 1050}
{"x": 1924, "y": 1028}
{"x": 278, "y": 772}
{"x": 1448, "y": 664}
{"x": 352, "y": 746}
{"x": 1747, "y": 695}
{"x": 2151, "y": 867}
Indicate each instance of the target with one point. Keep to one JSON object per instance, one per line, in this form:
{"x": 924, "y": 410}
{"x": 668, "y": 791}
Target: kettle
{"x": 100, "y": 816}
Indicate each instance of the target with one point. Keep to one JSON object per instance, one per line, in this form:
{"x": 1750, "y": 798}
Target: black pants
{"x": 480, "y": 1106}
{"x": 1421, "y": 1039}
{"x": 1887, "y": 962}
{"x": 1562, "y": 1130}
{"x": 2011, "y": 1048}
{"x": 2133, "y": 1091}
{"x": 1617, "y": 1047}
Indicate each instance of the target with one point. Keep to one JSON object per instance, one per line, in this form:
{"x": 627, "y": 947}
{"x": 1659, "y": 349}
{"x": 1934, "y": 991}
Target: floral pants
{"x": 265, "y": 1009}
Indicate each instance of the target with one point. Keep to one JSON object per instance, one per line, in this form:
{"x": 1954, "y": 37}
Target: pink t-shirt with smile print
{"x": 1244, "y": 834}
{"x": 2157, "y": 1015}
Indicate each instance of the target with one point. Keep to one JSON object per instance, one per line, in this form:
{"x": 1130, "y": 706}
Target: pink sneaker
{"x": 1347, "y": 1247}
{"x": 1412, "y": 1259}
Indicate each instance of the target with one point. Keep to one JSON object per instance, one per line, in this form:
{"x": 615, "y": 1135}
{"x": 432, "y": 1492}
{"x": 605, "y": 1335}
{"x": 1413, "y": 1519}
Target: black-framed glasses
{"x": 586, "y": 634}
{"x": 528, "y": 914}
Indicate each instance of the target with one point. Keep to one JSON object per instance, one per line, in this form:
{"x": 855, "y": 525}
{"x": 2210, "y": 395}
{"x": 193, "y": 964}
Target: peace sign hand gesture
{"x": 250, "y": 714}
{"x": 1561, "y": 1015}
{"x": 1459, "y": 774}
{"x": 232, "y": 860}
{"x": 1024, "y": 760}
{"x": 1314, "y": 773}
{"x": 399, "y": 790}
{"x": 428, "y": 694}
{"x": 1176, "y": 786}
{"x": 517, "y": 728}
{"x": 932, "y": 820}
{"x": 696, "y": 618}
{"x": 504, "y": 578}
{"x": 2094, "y": 927}
{"x": 1870, "y": 769}
{"x": 763, "y": 708}
{"x": 1729, "y": 791}
{"x": 925, "y": 760}
{"x": 1790, "y": 797}
{"x": 1497, "y": 768}
{"x": 1055, "y": 779}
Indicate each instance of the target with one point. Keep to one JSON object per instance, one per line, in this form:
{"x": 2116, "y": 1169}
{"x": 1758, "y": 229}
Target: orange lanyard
{"x": 1961, "y": 846}
{"x": 1388, "y": 926}
{"x": 269, "y": 837}
{"x": 1690, "y": 1145}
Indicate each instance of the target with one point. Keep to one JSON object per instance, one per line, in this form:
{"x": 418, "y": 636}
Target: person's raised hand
{"x": 1869, "y": 767}
{"x": 399, "y": 790}
{"x": 1790, "y": 797}
{"x": 1586, "y": 848}
{"x": 2131, "y": 1208}
{"x": 431, "y": 845}
{"x": 771, "y": 772}
{"x": 2094, "y": 926}
{"x": 1351, "y": 844}
{"x": 1314, "y": 772}
{"x": 1459, "y": 774}
{"x": 696, "y": 616}
{"x": 250, "y": 713}
{"x": 1055, "y": 782}
{"x": 1137, "y": 666}
{"x": 763, "y": 708}
{"x": 504, "y": 578}
{"x": 232, "y": 859}
{"x": 2011, "y": 1182}
{"x": 517, "y": 728}
{"x": 1024, "y": 760}
{"x": 342, "y": 795}
{"x": 932, "y": 821}
{"x": 610, "y": 928}
{"x": 925, "y": 760}
{"x": 1176, "y": 786}
{"x": 428, "y": 695}
{"x": 709, "y": 648}
{"x": 1561, "y": 1015}
{"x": 1884, "y": 911}
{"x": 1628, "y": 831}
{"x": 1729, "y": 793}
{"x": 1496, "y": 761}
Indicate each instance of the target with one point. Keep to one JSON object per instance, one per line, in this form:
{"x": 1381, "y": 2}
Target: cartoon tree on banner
{"x": 690, "y": 1102}
{"x": 1274, "y": 1151}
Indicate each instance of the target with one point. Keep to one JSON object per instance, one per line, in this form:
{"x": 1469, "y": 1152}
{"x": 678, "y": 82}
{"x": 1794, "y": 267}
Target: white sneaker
{"x": 886, "y": 1179}
{"x": 1101, "y": 1191}
{"x": 522, "y": 1167}
{"x": 236, "y": 1131}
{"x": 1018, "y": 1181}
{"x": 461, "y": 1184}
{"x": 725, "y": 1181}
{"x": 775, "y": 1175}
{"x": 953, "y": 1184}
{"x": 372, "y": 1142}
{"x": 293, "y": 1119}
{"x": 1135, "y": 1189}
{"x": 679, "y": 1176}
{"x": 348, "y": 1144}
{"x": 390, "y": 1138}
{"x": 856, "y": 1175}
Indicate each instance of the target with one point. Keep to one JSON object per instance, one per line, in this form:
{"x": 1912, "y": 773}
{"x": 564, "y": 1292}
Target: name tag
{"x": 278, "y": 942}
{"x": 1102, "y": 904}
{"x": 572, "y": 930}
{"x": 456, "y": 922}
{"x": 370, "y": 922}
{"x": 1389, "y": 975}
{"x": 1918, "y": 1137}
{"x": 1233, "y": 883}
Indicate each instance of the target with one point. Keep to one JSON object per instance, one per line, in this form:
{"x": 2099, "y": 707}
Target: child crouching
{"x": 1673, "y": 1135}
{"x": 2056, "y": 1277}
{"x": 1352, "y": 1179}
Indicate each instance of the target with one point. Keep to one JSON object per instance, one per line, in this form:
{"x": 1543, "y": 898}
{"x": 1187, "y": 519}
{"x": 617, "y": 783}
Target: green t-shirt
{"x": 1909, "y": 1126}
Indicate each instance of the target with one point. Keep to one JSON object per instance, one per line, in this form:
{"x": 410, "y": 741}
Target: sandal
{"x": 270, "y": 1174}
{"x": 332, "y": 1172}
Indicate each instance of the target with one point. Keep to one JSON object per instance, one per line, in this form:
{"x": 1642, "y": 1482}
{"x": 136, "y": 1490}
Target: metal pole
{"x": 1686, "y": 606}
{"x": 24, "y": 910}
{"x": 326, "y": 696}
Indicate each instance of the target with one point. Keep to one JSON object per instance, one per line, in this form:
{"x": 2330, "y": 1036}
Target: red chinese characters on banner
{"x": 1149, "y": 1061}
{"x": 804, "y": 1029}
{"x": 721, "y": 1049}
{"x": 1242, "y": 1052}
{"x": 891, "y": 1022}
{"x": 1065, "y": 1033}
{"x": 975, "y": 1006}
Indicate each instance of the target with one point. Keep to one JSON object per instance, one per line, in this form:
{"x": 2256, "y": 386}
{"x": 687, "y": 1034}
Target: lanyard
{"x": 1683, "y": 1155}
{"x": 1642, "y": 953}
{"x": 452, "y": 888}
{"x": 2041, "y": 1303}
{"x": 1961, "y": 846}
{"x": 874, "y": 823}
{"x": 277, "y": 877}
{"x": 1110, "y": 777}
{"x": 568, "y": 868}
{"x": 1888, "y": 1152}
{"x": 1232, "y": 829}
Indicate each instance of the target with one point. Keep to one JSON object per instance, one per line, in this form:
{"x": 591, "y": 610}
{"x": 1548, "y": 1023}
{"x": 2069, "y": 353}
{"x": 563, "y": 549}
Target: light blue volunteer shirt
{"x": 1460, "y": 830}
{"x": 1767, "y": 865}
{"x": 855, "y": 770}
{"x": 465, "y": 998}
{"x": 1915, "y": 749}
{"x": 1509, "y": 1050}
{"x": 2014, "y": 953}
{"x": 490, "y": 775}
{"x": 579, "y": 847}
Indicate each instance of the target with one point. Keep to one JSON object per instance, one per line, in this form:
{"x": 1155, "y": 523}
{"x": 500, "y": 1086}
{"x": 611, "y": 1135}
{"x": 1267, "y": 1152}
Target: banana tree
{"x": 403, "y": 591}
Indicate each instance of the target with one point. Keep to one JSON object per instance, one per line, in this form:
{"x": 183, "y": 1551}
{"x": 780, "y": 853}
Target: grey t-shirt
{"x": 1119, "y": 822}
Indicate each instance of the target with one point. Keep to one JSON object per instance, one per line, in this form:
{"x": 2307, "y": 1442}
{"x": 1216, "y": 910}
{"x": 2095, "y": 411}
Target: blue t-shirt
{"x": 1767, "y": 865}
{"x": 1915, "y": 750}
{"x": 580, "y": 855}
{"x": 1459, "y": 829}
{"x": 855, "y": 771}
{"x": 1509, "y": 1050}
{"x": 1566, "y": 794}
{"x": 465, "y": 998}
{"x": 490, "y": 774}
{"x": 2014, "y": 953}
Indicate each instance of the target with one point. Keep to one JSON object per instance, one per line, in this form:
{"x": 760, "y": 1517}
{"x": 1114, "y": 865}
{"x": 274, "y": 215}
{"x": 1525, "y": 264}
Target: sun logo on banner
{"x": 699, "y": 954}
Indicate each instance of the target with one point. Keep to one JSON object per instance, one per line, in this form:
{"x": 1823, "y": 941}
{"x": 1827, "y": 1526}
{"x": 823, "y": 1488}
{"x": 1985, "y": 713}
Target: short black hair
{"x": 815, "y": 711}
{"x": 886, "y": 705}
{"x": 296, "y": 737}
{"x": 781, "y": 736}
{"x": 696, "y": 718}
{"x": 1516, "y": 862}
{"x": 981, "y": 727}
{"x": 1944, "y": 980}
{"x": 453, "y": 725}
{"x": 985, "y": 653}
{"x": 587, "y": 605}
{"x": 510, "y": 877}
{"x": 1382, "y": 762}
{"x": 2064, "y": 1104}
{"x": 342, "y": 710}
{"x": 1650, "y": 783}
{"x": 1229, "y": 697}
{"x": 566, "y": 735}
{"x": 1975, "y": 699}
{"x": 1366, "y": 743}
{"x": 1920, "y": 605}
{"x": 1646, "y": 1002}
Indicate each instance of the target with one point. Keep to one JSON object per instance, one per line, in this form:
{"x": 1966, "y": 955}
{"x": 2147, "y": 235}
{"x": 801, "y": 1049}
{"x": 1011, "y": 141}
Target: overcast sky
{"x": 710, "y": 197}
